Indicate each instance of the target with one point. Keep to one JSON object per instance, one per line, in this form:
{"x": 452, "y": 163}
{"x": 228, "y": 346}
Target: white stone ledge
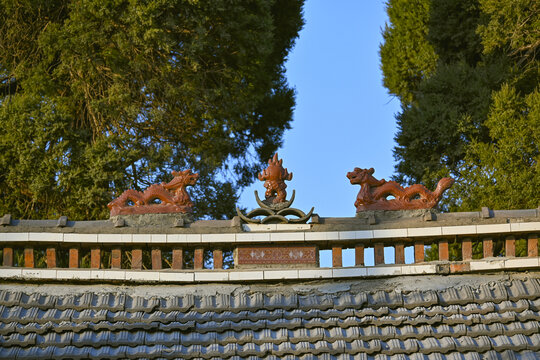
{"x": 221, "y": 276}
{"x": 274, "y": 233}
{"x": 86, "y": 238}
{"x": 50, "y": 237}
{"x": 73, "y": 274}
{"x": 320, "y": 273}
{"x": 524, "y": 262}
{"x": 13, "y": 237}
{"x": 487, "y": 264}
{"x": 275, "y": 227}
{"x": 349, "y": 272}
{"x": 246, "y": 275}
{"x": 281, "y": 274}
{"x": 211, "y": 276}
{"x": 419, "y": 269}
{"x": 106, "y": 238}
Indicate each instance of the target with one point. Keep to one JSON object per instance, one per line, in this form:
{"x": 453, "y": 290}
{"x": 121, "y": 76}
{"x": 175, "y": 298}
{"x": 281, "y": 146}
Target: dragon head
{"x": 182, "y": 178}
{"x": 360, "y": 176}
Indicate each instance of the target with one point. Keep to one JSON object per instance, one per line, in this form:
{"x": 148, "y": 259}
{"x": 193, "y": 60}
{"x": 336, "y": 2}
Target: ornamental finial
{"x": 274, "y": 177}
{"x": 275, "y": 207}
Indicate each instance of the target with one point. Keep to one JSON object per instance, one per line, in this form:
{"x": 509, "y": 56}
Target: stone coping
{"x": 250, "y": 236}
{"x": 178, "y": 224}
{"x": 222, "y": 276}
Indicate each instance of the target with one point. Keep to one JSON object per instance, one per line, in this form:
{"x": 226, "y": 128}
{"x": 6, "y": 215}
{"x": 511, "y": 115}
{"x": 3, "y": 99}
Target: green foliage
{"x": 474, "y": 115}
{"x": 449, "y": 112}
{"x": 406, "y": 55}
{"x": 513, "y": 26}
{"x": 505, "y": 173}
{"x": 100, "y": 96}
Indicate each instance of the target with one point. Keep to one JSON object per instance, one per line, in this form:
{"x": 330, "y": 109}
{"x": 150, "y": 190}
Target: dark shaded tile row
{"x": 433, "y": 348}
{"x": 513, "y": 290}
{"x": 455, "y": 323}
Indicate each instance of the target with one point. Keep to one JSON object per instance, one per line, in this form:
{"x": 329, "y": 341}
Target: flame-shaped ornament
{"x": 275, "y": 208}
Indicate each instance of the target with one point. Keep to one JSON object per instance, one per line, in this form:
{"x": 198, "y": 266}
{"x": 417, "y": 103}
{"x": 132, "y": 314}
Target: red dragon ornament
{"x": 163, "y": 198}
{"x": 373, "y": 193}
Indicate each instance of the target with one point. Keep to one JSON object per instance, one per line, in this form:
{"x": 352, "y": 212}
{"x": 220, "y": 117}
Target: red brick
{"x": 466, "y": 249}
{"x": 136, "y": 259}
{"x": 116, "y": 258}
{"x": 156, "y": 259}
{"x": 510, "y": 246}
{"x": 337, "y": 256}
{"x": 51, "y": 257}
{"x": 487, "y": 245}
{"x": 532, "y": 245}
{"x": 400, "y": 253}
{"x": 457, "y": 268}
{"x": 198, "y": 258}
{"x": 218, "y": 259}
{"x": 29, "y": 257}
{"x": 419, "y": 252}
{"x": 73, "y": 258}
{"x": 359, "y": 255}
{"x": 443, "y": 250}
{"x": 379, "y": 253}
{"x": 95, "y": 258}
{"x": 8, "y": 256}
{"x": 177, "y": 258}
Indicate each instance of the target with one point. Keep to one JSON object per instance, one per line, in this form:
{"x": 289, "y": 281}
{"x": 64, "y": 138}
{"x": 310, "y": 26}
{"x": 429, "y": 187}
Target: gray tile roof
{"x": 493, "y": 320}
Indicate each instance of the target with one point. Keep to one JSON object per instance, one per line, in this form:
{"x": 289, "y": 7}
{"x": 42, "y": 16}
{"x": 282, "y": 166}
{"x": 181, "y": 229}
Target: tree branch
{"x": 8, "y": 88}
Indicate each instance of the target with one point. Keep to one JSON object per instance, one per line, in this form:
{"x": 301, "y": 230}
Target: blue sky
{"x": 344, "y": 117}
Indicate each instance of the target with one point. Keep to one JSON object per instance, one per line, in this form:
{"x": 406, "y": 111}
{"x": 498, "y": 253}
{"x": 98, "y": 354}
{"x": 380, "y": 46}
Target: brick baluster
{"x": 443, "y": 250}
{"x": 136, "y": 259}
{"x": 510, "y": 246}
{"x": 73, "y": 258}
{"x": 418, "y": 251}
{"x": 218, "y": 259}
{"x": 466, "y": 249}
{"x": 29, "y": 257}
{"x": 95, "y": 258}
{"x": 359, "y": 255}
{"x": 51, "y": 257}
{"x": 487, "y": 245}
{"x": 198, "y": 258}
{"x": 156, "y": 259}
{"x": 532, "y": 245}
{"x": 400, "y": 253}
{"x": 116, "y": 258}
{"x": 379, "y": 253}
{"x": 177, "y": 258}
{"x": 8, "y": 256}
{"x": 337, "y": 256}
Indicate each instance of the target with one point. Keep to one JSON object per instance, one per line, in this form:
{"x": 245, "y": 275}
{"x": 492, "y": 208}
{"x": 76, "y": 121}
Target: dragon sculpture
{"x": 275, "y": 208}
{"x": 373, "y": 193}
{"x": 163, "y": 198}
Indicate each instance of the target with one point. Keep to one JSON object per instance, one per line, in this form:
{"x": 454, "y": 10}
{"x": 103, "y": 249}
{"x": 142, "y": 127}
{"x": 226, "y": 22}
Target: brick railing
{"x": 273, "y": 249}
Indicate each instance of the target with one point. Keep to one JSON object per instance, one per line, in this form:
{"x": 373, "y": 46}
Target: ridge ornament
{"x": 164, "y": 198}
{"x": 275, "y": 208}
{"x": 373, "y": 193}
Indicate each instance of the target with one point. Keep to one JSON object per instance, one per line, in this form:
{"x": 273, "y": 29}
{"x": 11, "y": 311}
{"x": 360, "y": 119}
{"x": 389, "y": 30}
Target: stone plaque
{"x": 277, "y": 256}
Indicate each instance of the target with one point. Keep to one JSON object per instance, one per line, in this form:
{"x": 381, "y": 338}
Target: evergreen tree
{"x": 101, "y": 95}
{"x": 473, "y": 114}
